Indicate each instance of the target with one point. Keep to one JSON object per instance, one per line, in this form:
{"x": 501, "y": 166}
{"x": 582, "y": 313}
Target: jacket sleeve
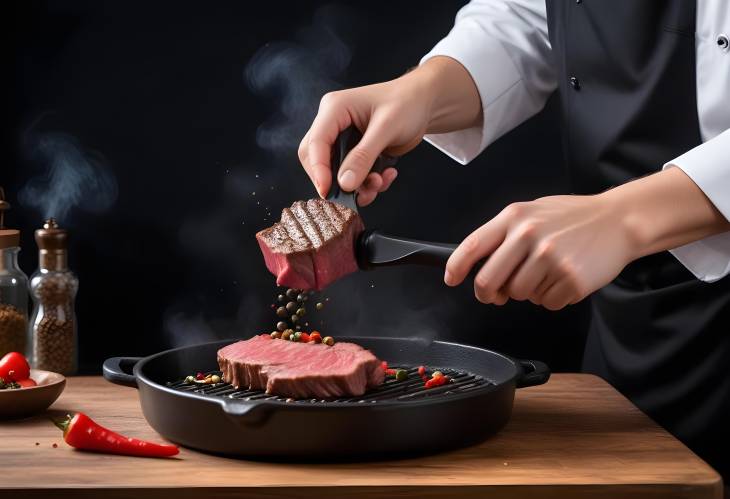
{"x": 505, "y": 48}
{"x": 708, "y": 165}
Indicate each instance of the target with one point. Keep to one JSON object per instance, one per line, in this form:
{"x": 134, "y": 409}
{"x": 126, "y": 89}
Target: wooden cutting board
{"x": 575, "y": 437}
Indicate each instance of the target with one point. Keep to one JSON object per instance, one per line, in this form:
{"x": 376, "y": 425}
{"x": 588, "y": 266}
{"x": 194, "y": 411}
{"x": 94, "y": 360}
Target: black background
{"x": 158, "y": 89}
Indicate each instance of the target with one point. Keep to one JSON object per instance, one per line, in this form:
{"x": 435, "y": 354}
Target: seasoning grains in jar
{"x": 13, "y": 328}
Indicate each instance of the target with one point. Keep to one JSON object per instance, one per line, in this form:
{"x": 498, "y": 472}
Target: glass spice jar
{"x": 53, "y": 288}
{"x": 13, "y": 289}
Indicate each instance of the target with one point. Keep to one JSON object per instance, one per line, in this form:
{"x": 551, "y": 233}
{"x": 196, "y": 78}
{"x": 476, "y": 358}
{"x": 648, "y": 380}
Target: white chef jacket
{"x": 505, "y": 48}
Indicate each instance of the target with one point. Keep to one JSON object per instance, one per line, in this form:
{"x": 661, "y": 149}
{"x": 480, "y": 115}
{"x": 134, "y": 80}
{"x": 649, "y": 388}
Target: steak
{"x": 300, "y": 370}
{"x": 312, "y": 245}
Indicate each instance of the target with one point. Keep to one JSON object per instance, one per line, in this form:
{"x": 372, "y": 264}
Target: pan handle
{"x": 248, "y": 413}
{"x": 533, "y": 373}
{"x": 118, "y": 370}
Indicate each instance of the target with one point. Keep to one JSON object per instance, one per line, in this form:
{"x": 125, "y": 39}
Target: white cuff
{"x": 494, "y": 75}
{"x": 708, "y": 165}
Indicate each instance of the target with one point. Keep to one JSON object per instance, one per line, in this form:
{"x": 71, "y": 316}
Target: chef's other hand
{"x": 556, "y": 250}
{"x": 553, "y": 251}
{"x": 393, "y": 117}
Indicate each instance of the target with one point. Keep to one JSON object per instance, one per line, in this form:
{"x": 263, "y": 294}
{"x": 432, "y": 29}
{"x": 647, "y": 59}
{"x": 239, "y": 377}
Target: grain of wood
{"x": 573, "y": 437}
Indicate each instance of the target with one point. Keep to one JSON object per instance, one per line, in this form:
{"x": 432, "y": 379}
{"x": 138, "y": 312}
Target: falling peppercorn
{"x": 319, "y": 305}
{"x": 281, "y": 312}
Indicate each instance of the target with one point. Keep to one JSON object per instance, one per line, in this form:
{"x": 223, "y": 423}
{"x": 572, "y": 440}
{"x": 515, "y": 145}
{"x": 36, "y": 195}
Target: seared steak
{"x": 312, "y": 245}
{"x": 300, "y": 370}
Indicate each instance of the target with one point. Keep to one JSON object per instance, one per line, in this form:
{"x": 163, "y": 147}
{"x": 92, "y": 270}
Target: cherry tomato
{"x": 14, "y": 367}
{"x": 27, "y": 383}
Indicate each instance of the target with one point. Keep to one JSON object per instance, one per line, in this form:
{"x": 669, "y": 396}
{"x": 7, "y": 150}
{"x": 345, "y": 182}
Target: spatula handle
{"x": 345, "y": 142}
{"x": 375, "y": 249}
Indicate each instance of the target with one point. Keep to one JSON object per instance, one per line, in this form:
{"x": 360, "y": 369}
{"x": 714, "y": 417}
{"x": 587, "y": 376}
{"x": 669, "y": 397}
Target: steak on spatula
{"x": 312, "y": 245}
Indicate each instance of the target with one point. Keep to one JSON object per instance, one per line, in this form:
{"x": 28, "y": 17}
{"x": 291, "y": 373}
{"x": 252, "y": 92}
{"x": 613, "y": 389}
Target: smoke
{"x": 72, "y": 177}
{"x": 296, "y": 74}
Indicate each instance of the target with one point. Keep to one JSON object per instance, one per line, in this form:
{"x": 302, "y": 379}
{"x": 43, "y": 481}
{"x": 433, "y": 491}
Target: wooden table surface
{"x": 573, "y": 437}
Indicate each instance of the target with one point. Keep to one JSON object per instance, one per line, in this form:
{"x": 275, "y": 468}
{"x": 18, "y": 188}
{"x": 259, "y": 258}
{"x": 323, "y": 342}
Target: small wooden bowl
{"x": 21, "y": 402}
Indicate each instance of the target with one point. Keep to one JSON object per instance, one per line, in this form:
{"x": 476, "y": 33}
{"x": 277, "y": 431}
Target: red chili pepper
{"x": 81, "y": 432}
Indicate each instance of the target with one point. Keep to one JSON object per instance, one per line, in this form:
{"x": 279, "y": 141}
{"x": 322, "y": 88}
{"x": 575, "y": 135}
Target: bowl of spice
{"x": 26, "y": 394}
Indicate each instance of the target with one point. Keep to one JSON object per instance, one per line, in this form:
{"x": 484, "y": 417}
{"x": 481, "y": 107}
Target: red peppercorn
{"x": 305, "y": 337}
{"x": 385, "y": 365}
{"x": 200, "y": 376}
{"x": 390, "y": 372}
{"x": 315, "y": 336}
{"x": 434, "y": 382}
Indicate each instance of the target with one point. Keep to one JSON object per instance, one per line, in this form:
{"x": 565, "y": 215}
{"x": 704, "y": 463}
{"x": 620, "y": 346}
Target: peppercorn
{"x": 189, "y": 379}
{"x": 215, "y": 379}
{"x": 291, "y": 307}
{"x": 301, "y": 297}
{"x": 281, "y": 311}
{"x": 276, "y": 334}
{"x": 301, "y": 311}
{"x": 291, "y": 293}
{"x": 281, "y": 297}
{"x": 401, "y": 375}
{"x": 328, "y": 340}
{"x": 437, "y": 374}
{"x": 297, "y": 336}
{"x": 319, "y": 305}
{"x": 286, "y": 334}
{"x": 315, "y": 336}
{"x": 294, "y": 318}
{"x": 281, "y": 325}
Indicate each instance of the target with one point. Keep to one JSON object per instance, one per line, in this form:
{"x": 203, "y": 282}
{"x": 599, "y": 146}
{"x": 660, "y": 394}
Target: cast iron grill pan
{"x": 394, "y": 420}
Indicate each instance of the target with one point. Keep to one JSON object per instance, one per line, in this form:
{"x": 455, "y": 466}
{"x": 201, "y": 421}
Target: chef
{"x": 645, "y": 98}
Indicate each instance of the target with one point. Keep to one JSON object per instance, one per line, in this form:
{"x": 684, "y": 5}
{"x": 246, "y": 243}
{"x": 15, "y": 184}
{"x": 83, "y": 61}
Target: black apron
{"x": 626, "y": 73}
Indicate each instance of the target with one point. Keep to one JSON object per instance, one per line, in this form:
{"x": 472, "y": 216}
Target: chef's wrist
{"x": 661, "y": 212}
{"x": 449, "y": 93}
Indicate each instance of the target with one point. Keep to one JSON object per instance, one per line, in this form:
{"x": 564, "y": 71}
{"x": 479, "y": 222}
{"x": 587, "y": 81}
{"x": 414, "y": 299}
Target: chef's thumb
{"x": 360, "y": 159}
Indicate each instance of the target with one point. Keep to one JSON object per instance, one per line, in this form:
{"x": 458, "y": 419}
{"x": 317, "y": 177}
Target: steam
{"x": 71, "y": 177}
{"x": 296, "y": 74}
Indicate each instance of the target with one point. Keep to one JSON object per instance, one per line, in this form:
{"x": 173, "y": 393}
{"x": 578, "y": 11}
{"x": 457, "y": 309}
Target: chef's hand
{"x": 393, "y": 117}
{"x": 556, "y": 250}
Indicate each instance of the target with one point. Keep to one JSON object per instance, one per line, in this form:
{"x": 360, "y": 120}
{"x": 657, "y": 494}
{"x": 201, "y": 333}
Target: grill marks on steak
{"x": 312, "y": 245}
{"x": 300, "y": 370}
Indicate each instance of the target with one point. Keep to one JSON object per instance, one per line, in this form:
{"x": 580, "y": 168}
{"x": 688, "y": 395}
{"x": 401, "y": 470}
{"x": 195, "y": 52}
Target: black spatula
{"x": 373, "y": 248}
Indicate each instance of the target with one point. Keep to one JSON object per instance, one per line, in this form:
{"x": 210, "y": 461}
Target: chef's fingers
{"x": 480, "y": 243}
{"x": 360, "y": 159}
{"x": 331, "y": 119}
{"x": 368, "y": 191}
{"x": 559, "y": 295}
{"x": 389, "y": 175}
{"x": 525, "y": 280}
{"x": 500, "y": 266}
{"x": 536, "y": 296}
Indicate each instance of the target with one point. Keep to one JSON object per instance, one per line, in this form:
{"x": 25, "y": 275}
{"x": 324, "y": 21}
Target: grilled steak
{"x": 300, "y": 370}
{"x": 312, "y": 245}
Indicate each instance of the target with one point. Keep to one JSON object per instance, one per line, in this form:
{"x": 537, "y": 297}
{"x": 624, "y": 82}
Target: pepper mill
{"x": 53, "y": 287}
